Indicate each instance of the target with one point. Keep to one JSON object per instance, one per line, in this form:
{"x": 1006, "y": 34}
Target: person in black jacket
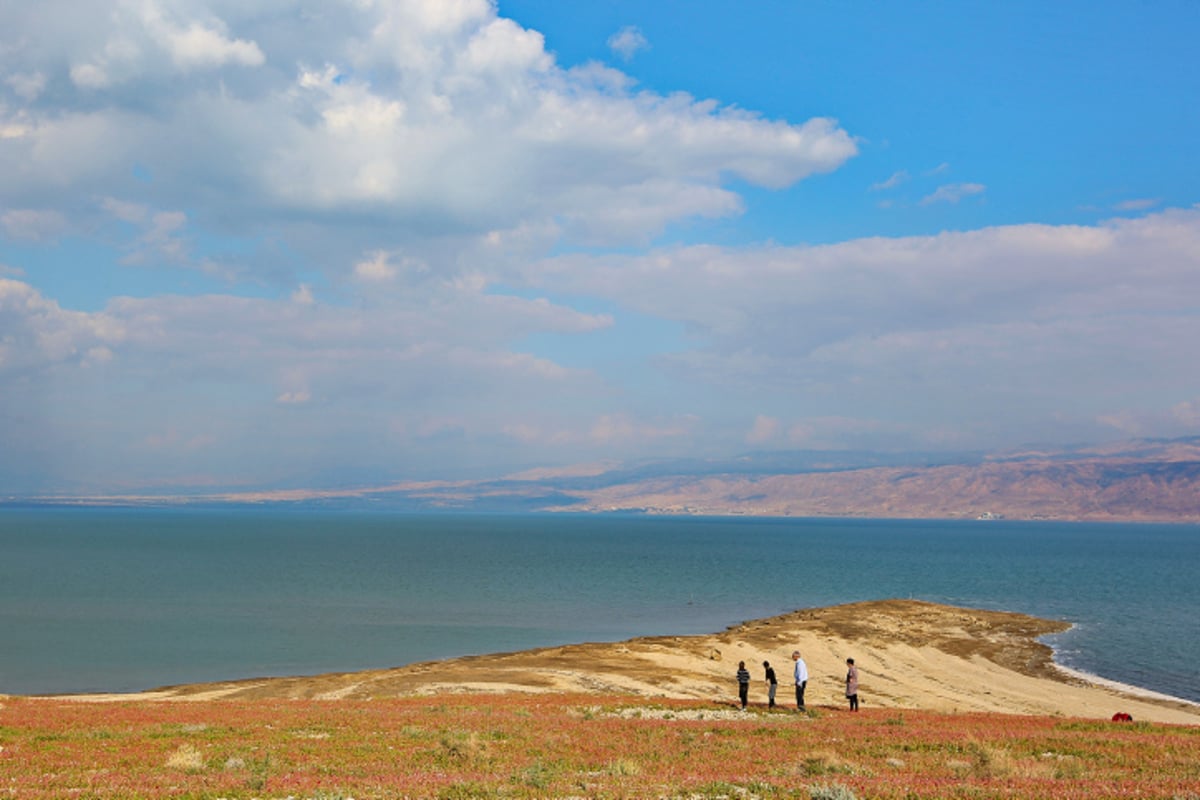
{"x": 772, "y": 684}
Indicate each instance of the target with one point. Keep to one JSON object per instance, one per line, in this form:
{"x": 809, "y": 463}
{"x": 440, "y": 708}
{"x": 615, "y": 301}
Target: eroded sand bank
{"x": 910, "y": 654}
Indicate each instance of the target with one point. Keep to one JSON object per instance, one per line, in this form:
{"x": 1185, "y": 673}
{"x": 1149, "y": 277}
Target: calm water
{"x": 118, "y": 600}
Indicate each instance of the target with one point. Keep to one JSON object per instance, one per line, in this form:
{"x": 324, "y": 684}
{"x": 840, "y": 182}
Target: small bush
{"x": 538, "y": 775}
{"x": 833, "y": 791}
{"x": 460, "y": 749}
{"x": 824, "y": 763}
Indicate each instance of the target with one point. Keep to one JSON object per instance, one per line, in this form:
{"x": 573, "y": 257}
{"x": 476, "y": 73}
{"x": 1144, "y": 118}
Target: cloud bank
{"x": 354, "y": 241}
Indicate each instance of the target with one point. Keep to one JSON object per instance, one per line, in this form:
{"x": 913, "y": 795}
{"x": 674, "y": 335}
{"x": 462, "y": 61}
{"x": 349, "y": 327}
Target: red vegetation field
{"x": 573, "y": 746}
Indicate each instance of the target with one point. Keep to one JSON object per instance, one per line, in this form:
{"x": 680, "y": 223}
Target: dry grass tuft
{"x": 825, "y": 762}
{"x": 187, "y": 757}
{"x": 624, "y": 767}
{"x": 464, "y": 749}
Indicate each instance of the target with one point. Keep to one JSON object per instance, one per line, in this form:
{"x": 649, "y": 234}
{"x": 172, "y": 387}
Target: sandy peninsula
{"x": 910, "y": 654}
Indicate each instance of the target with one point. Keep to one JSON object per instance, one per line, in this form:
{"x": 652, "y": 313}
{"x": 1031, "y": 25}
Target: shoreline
{"x": 911, "y": 654}
{"x": 1123, "y": 688}
{"x": 1077, "y": 674}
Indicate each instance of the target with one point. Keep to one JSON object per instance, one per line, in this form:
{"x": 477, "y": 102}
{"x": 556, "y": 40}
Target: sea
{"x": 119, "y": 600}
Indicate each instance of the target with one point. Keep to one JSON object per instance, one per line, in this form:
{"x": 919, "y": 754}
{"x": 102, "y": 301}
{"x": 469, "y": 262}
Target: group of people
{"x": 800, "y": 675}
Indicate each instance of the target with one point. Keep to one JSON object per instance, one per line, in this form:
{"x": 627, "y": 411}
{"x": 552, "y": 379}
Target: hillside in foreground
{"x": 574, "y": 746}
{"x": 956, "y": 703}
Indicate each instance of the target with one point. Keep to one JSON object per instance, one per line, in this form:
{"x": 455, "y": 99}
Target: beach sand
{"x": 910, "y": 654}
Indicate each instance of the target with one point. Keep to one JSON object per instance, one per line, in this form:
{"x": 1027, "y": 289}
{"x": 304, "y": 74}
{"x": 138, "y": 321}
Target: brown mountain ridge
{"x": 1086, "y": 487}
{"x": 1145, "y": 480}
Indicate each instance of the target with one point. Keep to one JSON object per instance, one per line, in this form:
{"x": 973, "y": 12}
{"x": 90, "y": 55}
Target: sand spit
{"x": 910, "y": 654}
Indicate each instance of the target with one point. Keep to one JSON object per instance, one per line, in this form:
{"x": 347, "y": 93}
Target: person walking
{"x": 800, "y": 673}
{"x": 852, "y": 684}
{"x": 772, "y": 684}
{"x": 743, "y": 679}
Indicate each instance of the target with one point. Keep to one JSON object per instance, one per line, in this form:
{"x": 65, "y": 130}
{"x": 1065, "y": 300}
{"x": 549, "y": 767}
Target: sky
{"x": 254, "y": 244}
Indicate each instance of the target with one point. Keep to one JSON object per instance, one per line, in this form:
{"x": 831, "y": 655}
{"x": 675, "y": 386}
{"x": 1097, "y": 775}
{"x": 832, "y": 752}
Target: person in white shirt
{"x": 801, "y": 676}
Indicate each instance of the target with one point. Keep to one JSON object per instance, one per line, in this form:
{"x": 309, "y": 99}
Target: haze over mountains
{"x": 1137, "y": 480}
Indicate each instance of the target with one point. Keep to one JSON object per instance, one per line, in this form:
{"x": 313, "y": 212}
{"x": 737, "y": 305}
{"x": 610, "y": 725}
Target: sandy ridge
{"x": 911, "y": 654}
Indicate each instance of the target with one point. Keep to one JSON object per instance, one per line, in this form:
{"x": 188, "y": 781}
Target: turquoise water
{"x": 104, "y": 600}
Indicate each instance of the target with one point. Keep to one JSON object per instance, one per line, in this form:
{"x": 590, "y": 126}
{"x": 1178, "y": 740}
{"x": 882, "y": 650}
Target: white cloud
{"x": 147, "y": 35}
{"x": 27, "y": 85}
{"x": 13, "y": 130}
{"x": 37, "y": 335}
{"x": 33, "y": 224}
{"x": 160, "y": 235}
{"x": 90, "y": 76}
{"x": 296, "y": 397}
{"x": 995, "y": 330}
{"x": 1138, "y": 204}
{"x": 375, "y": 268}
{"x": 953, "y": 192}
{"x": 303, "y": 295}
{"x": 627, "y": 42}
{"x": 196, "y": 46}
{"x": 379, "y": 183}
{"x": 418, "y": 121}
{"x": 897, "y": 178}
{"x": 224, "y": 368}
{"x": 133, "y": 213}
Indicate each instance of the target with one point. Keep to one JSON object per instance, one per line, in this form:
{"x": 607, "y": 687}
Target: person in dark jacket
{"x": 743, "y": 679}
{"x": 772, "y": 684}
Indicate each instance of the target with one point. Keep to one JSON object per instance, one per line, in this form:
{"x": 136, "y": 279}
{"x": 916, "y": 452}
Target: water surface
{"x": 106, "y": 600}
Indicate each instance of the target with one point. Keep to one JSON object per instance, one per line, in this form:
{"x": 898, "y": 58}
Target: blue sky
{"x": 282, "y": 244}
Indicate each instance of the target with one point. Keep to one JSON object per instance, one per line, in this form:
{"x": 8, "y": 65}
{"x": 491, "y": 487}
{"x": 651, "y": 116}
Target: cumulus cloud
{"x": 37, "y": 335}
{"x": 419, "y": 120}
{"x": 1000, "y": 329}
{"x": 955, "y": 340}
{"x": 144, "y": 35}
{"x": 378, "y": 184}
{"x": 627, "y": 42}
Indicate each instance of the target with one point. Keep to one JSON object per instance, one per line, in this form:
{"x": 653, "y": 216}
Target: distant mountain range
{"x": 1139, "y": 480}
